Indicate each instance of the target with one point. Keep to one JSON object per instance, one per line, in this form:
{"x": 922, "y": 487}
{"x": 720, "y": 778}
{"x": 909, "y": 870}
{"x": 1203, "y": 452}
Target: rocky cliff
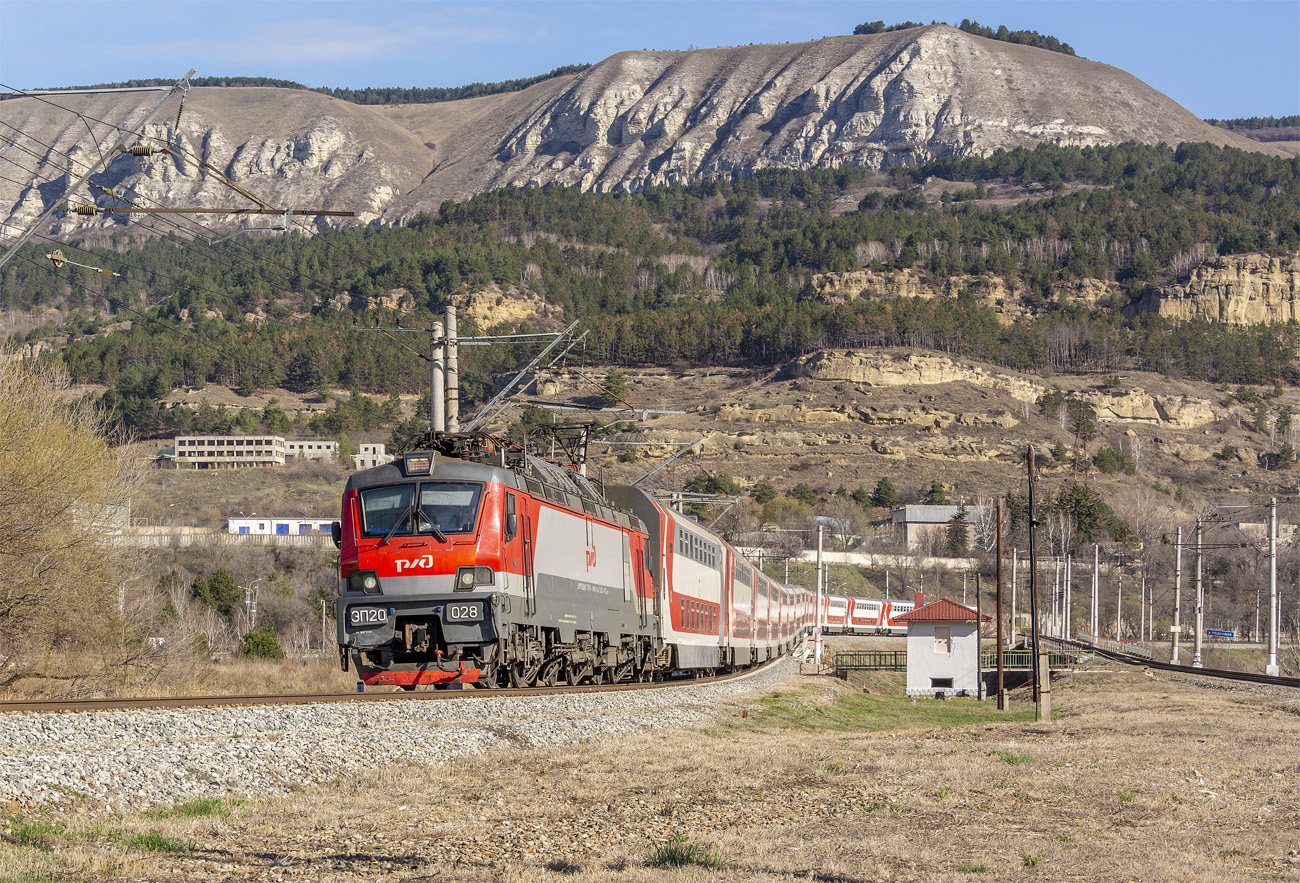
{"x": 1248, "y": 289}
{"x": 635, "y": 119}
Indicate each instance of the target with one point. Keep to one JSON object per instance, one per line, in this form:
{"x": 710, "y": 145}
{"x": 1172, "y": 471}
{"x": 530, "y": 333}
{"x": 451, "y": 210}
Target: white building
{"x": 229, "y": 452}
{"x": 266, "y": 525}
{"x": 311, "y": 448}
{"x": 943, "y": 649}
{"x": 369, "y": 456}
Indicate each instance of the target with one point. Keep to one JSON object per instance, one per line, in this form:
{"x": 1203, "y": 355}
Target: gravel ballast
{"x": 138, "y": 759}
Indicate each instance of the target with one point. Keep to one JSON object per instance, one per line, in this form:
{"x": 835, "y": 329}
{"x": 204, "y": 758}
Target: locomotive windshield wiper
{"x": 401, "y": 519}
{"x": 426, "y": 523}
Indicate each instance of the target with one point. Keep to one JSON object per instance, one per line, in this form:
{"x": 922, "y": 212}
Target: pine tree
{"x": 958, "y": 532}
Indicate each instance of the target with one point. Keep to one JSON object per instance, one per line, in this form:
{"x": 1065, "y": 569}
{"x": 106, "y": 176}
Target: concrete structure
{"x": 229, "y": 452}
{"x": 915, "y": 526}
{"x": 369, "y": 456}
{"x": 311, "y": 448}
{"x": 267, "y": 525}
{"x": 943, "y": 649}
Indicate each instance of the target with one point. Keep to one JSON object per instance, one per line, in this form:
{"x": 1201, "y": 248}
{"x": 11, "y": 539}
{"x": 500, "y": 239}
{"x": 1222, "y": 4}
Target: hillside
{"x": 846, "y": 418}
{"x": 634, "y": 120}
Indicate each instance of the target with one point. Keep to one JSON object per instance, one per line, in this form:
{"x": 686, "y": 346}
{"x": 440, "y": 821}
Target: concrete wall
{"x": 924, "y": 663}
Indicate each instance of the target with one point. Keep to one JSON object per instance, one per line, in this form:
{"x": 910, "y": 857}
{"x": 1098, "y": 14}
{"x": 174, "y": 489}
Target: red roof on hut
{"x": 942, "y": 610}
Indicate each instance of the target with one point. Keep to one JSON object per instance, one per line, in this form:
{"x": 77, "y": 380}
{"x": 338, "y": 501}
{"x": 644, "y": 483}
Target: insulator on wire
{"x": 142, "y": 150}
{"x": 57, "y": 258}
{"x": 88, "y": 210}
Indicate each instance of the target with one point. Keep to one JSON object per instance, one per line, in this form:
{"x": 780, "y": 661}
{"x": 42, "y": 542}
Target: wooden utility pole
{"x": 979, "y": 637}
{"x": 1002, "y": 696}
{"x": 1042, "y": 690}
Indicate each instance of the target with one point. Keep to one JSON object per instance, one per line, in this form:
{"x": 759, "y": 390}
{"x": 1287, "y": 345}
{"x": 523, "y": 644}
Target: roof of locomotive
{"x": 445, "y": 468}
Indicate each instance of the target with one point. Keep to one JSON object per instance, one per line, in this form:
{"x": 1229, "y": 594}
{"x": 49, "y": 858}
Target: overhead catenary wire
{"x": 312, "y": 276}
{"x": 139, "y": 124}
{"x": 206, "y": 232}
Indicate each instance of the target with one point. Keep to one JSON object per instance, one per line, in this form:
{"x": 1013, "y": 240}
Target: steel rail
{"x": 1220, "y": 673}
{"x": 77, "y": 706}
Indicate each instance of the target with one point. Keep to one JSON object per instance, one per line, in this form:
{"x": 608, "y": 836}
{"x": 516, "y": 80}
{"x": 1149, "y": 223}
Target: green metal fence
{"x": 1024, "y": 660}
{"x": 896, "y": 660}
{"x": 870, "y": 660}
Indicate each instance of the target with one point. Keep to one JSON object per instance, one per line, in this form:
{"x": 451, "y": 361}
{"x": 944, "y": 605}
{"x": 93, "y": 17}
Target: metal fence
{"x": 870, "y": 660}
{"x": 180, "y": 540}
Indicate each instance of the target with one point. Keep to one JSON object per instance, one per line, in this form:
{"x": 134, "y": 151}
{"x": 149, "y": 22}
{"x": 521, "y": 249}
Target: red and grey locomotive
{"x": 474, "y": 561}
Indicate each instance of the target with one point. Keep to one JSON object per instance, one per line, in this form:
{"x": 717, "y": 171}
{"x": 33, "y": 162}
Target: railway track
{"x": 74, "y": 706}
{"x": 1219, "y": 673}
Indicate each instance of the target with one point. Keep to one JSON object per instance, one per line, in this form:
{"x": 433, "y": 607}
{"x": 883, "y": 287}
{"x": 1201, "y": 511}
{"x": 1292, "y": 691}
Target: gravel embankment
{"x": 143, "y": 758}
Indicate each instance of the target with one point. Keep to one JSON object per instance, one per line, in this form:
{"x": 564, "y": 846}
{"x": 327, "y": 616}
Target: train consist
{"x": 475, "y": 561}
{"x": 863, "y": 616}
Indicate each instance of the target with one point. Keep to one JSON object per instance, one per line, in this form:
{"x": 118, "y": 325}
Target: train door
{"x": 527, "y": 537}
{"x": 629, "y": 582}
{"x": 512, "y": 551}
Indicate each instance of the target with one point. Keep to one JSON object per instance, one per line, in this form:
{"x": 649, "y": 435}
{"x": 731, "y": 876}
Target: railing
{"x": 896, "y": 660}
{"x": 1128, "y": 648}
{"x": 1023, "y": 660}
{"x": 870, "y": 660}
{"x": 174, "y": 540}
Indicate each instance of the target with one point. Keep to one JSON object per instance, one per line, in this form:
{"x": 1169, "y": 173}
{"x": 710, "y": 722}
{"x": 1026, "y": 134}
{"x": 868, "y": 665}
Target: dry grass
{"x": 1138, "y": 779}
{"x": 190, "y": 676}
{"x": 208, "y": 497}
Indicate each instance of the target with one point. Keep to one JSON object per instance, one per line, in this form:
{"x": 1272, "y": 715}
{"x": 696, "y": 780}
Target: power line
{"x": 183, "y": 83}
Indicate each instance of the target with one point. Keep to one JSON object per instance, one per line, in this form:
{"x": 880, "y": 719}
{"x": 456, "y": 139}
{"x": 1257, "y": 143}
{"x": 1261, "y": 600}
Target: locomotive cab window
{"x": 450, "y": 507}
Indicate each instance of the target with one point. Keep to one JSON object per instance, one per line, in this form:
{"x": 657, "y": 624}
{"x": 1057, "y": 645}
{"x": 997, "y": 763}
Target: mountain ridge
{"x": 638, "y": 118}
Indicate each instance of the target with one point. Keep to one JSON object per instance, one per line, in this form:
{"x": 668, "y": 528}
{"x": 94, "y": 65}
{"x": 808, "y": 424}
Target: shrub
{"x": 261, "y": 643}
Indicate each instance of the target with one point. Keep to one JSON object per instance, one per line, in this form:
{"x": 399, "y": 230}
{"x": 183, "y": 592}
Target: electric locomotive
{"x": 474, "y": 561}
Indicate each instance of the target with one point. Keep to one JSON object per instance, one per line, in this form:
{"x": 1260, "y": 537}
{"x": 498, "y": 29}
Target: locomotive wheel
{"x": 409, "y": 688}
{"x": 521, "y": 675}
{"x": 550, "y": 674}
{"x": 621, "y": 674}
{"x": 575, "y": 675}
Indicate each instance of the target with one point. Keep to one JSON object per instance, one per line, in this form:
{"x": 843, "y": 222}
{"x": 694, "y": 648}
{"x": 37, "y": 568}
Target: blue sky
{"x": 1218, "y": 58}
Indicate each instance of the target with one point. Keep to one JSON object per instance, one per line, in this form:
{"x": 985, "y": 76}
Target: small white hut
{"x": 943, "y": 649}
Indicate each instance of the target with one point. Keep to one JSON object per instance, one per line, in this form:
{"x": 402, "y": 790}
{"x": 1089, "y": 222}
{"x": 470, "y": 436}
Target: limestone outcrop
{"x": 1247, "y": 289}
{"x": 884, "y": 368}
{"x": 1138, "y": 406}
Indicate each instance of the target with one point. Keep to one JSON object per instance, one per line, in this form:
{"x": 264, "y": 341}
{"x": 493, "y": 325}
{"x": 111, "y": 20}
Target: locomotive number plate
{"x": 464, "y": 612}
{"x": 367, "y": 615}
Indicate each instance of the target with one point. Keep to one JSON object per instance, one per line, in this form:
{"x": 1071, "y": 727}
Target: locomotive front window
{"x": 383, "y": 507}
{"x": 444, "y": 507}
{"x": 450, "y": 506}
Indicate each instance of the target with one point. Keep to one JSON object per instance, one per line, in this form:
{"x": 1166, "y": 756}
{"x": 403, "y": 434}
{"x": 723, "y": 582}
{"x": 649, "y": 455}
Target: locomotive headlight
{"x": 468, "y": 578}
{"x": 366, "y": 581}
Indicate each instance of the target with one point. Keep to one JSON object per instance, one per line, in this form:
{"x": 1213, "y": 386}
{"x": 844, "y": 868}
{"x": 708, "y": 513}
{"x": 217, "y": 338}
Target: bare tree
{"x": 848, "y": 522}
{"x": 984, "y": 523}
{"x": 63, "y": 509}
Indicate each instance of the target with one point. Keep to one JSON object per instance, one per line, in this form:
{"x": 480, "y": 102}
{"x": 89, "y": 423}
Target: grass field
{"x": 1138, "y": 778}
